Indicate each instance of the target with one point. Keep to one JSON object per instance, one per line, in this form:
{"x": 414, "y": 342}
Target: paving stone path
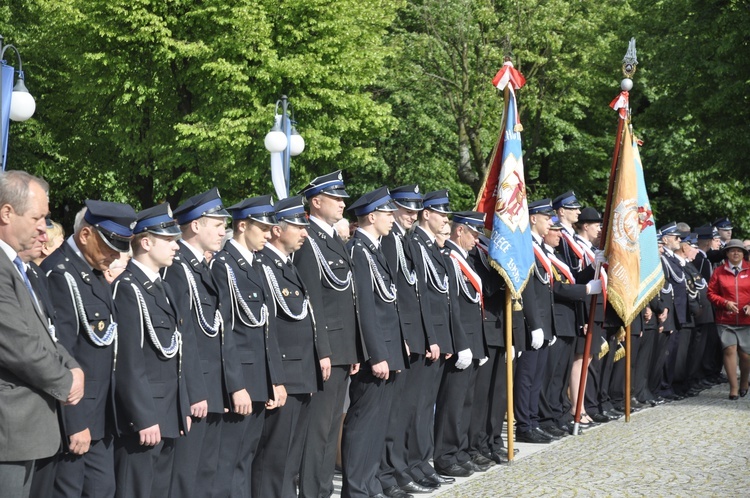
{"x": 697, "y": 447}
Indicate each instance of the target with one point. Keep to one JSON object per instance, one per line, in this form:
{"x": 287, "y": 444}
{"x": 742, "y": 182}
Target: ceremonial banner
{"x": 503, "y": 197}
{"x": 634, "y": 267}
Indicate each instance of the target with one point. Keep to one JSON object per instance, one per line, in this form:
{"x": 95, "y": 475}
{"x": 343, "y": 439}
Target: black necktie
{"x": 736, "y": 270}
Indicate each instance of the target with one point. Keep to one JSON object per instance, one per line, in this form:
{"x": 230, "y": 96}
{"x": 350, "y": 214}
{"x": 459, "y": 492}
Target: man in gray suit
{"x": 34, "y": 370}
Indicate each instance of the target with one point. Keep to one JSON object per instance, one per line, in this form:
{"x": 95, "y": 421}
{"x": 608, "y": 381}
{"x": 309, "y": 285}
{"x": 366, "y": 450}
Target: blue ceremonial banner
{"x": 504, "y": 200}
{"x": 651, "y": 275}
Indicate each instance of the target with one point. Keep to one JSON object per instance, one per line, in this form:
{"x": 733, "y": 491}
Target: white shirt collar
{"x": 9, "y": 251}
{"x": 244, "y": 251}
{"x": 457, "y": 248}
{"x": 153, "y": 276}
{"x": 328, "y": 229}
{"x": 374, "y": 240}
{"x": 429, "y": 236}
{"x": 399, "y": 229}
{"x": 77, "y": 250}
{"x": 197, "y": 253}
{"x": 284, "y": 258}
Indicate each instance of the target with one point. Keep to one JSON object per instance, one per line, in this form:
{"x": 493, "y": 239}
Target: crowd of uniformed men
{"x": 220, "y": 368}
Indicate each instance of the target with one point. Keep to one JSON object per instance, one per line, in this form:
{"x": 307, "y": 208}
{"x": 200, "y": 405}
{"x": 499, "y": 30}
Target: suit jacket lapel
{"x": 146, "y": 284}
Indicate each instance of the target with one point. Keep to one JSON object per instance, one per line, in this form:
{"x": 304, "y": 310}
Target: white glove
{"x": 512, "y": 353}
{"x": 537, "y": 338}
{"x": 464, "y": 359}
{"x": 594, "y": 287}
{"x": 599, "y": 257}
{"x": 482, "y": 361}
{"x": 554, "y": 340}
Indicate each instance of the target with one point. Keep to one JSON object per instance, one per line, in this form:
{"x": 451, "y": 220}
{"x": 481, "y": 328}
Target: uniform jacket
{"x": 295, "y": 337}
{"x": 336, "y": 323}
{"x": 700, "y": 307}
{"x": 675, "y": 275}
{"x": 725, "y": 286}
{"x": 466, "y": 314}
{"x": 34, "y": 374}
{"x": 435, "y": 303}
{"x": 257, "y": 345}
{"x": 211, "y": 368}
{"x": 378, "y": 309}
{"x": 414, "y": 322}
{"x": 149, "y": 388}
{"x": 96, "y": 410}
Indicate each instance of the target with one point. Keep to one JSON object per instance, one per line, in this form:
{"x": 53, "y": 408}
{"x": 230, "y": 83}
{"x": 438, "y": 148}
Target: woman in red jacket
{"x": 729, "y": 292}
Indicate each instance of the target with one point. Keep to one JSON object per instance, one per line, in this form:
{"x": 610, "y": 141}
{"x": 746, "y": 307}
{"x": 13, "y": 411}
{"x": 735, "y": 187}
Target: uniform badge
{"x": 296, "y": 293}
{"x": 100, "y": 325}
{"x": 285, "y": 292}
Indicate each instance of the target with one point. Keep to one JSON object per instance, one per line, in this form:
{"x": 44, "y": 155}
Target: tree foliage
{"x": 144, "y": 101}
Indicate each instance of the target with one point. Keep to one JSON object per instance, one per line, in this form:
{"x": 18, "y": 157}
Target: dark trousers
{"x": 713, "y": 358}
{"x": 527, "y": 388}
{"x": 594, "y": 373}
{"x": 16, "y": 477}
{"x": 426, "y": 373}
{"x": 321, "y": 443}
{"x": 642, "y": 365}
{"x": 280, "y": 450}
{"x": 617, "y": 382}
{"x": 240, "y": 437}
{"x": 365, "y": 426}
{"x": 90, "y": 474}
{"x": 554, "y": 404}
{"x": 696, "y": 351}
{"x": 453, "y": 413}
{"x": 659, "y": 358}
{"x": 394, "y": 463}
{"x": 490, "y": 405}
{"x": 607, "y": 364}
{"x": 680, "y": 380}
{"x": 143, "y": 471}
{"x": 43, "y": 481}
{"x": 196, "y": 458}
{"x": 670, "y": 361}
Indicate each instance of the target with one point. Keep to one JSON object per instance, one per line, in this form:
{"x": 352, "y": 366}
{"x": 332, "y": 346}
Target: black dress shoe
{"x": 396, "y": 492}
{"x": 438, "y": 479}
{"x": 475, "y": 467}
{"x": 428, "y": 483}
{"x": 613, "y": 414}
{"x": 532, "y": 437}
{"x": 734, "y": 397}
{"x": 454, "y": 470}
{"x": 553, "y": 431}
{"x": 543, "y": 433}
{"x": 480, "y": 459}
{"x": 413, "y": 487}
{"x": 743, "y": 393}
{"x": 599, "y": 418}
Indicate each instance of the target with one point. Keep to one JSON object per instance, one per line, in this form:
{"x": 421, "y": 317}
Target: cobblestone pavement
{"x": 697, "y": 447}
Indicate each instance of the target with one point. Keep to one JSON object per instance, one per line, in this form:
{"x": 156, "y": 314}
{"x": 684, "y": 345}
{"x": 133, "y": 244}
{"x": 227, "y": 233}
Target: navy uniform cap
{"x": 331, "y": 184}
{"x": 671, "y": 229}
{"x": 113, "y": 220}
{"x": 691, "y": 238}
{"x": 376, "y": 200}
{"x": 437, "y": 201}
{"x": 542, "y": 206}
{"x": 157, "y": 220}
{"x": 408, "y": 197}
{"x": 723, "y": 224}
{"x": 567, "y": 200}
{"x": 292, "y": 210}
{"x": 472, "y": 219}
{"x": 206, "y": 204}
{"x": 556, "y": 225}
{"x": 258, "y": 209}
{"x": 589, "y": 215}
{"x": 707, "y": 233}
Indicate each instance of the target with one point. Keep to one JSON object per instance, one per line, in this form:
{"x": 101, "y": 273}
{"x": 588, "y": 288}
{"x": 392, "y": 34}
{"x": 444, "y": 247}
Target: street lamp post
{"x": 283, "y": 142}
{"x": 16, "y": 102}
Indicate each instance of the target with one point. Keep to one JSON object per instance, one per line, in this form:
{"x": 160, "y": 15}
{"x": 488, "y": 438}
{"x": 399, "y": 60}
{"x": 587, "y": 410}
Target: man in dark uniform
{"x": 709, "y": 251}
{"x": 246, "y": 316}
{"x": 324, "y": 265}
{"x": 280, "y": 449}
{"x": 432, "y": 268}
{"x": 724, "y": 226}
{"x": 675, "y": 278}
{"x": 151, "y": 399}
{"x": 212, "y": 371}
{"x": 490, "y": 391}
{"x": 86, "y": 326}
{"x": 456, "y": 393}
{"x": 385, "y": 355}
{"x": 568, "y": 210}
{"x": 403, "y": 432}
